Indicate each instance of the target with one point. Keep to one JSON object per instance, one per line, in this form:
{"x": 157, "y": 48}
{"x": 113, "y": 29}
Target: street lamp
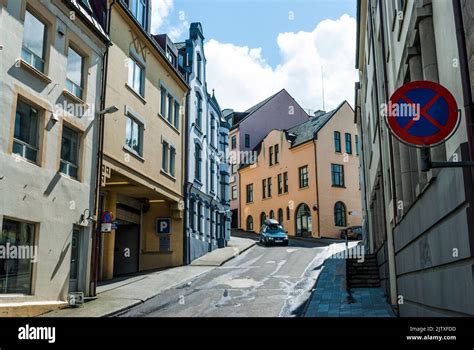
{"x": 109, "y": 110}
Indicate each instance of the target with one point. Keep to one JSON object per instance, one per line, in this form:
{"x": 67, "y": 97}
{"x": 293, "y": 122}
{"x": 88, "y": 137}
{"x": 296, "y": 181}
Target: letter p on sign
{"x": 163, "y": 225}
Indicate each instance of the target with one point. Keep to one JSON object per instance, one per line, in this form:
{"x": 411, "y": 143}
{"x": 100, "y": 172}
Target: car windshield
{"x": 274, "y": 229}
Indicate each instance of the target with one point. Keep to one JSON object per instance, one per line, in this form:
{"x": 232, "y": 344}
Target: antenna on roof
{"x": 322, "y": 85}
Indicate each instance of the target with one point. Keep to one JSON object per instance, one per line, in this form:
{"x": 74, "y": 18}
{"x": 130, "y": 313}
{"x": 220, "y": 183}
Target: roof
{"x": 305, "y": 132}
{"x": 238, "y": 117}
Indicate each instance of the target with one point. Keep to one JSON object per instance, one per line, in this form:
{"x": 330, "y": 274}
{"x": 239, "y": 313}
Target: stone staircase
{"x": 362, "y": 275}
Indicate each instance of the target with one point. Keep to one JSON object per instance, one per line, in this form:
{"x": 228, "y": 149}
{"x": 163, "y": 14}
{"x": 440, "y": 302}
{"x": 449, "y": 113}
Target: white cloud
{"x": 242, "y": 77}
{"x": 160, "y": 10}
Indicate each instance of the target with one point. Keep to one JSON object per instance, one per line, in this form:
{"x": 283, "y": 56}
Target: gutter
{"x": 317, "y": 182}
{"x": 186, "y": 240}
{"x": 95, "y": 250}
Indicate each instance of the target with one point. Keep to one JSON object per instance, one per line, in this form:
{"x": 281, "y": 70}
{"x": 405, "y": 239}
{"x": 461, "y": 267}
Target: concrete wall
{"x": 38, "y": 193}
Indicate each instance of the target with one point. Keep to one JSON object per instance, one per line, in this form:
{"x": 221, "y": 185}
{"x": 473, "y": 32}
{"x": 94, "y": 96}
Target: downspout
{"x": 100, "y": 154}
{"x": 392, "y": 165}
{"x": 187, "y": 239}
{"x": 315, "y": 136}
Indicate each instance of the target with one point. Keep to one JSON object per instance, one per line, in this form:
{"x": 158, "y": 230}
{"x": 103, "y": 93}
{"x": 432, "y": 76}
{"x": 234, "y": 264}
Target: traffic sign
{"x": 106, "y": 217}
{"x": 422, "y": 113}
{"x": 163, "y": 226}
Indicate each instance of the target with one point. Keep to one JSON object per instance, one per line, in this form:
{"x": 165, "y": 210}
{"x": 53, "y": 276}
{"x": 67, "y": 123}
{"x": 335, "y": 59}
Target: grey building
{"x": 207, "y": 222}
{"x": 420, "y": 223}
{"x": 50, "y": 83}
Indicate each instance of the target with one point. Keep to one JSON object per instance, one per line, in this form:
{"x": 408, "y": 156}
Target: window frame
{"x": 303, "y": 176}
{"x": 340, "y": 175}
{"x": 141, "y": 133}
{"x": 337, "y": 142}
{"x": 78, "y": 153}
{"x": 348, "y": 142}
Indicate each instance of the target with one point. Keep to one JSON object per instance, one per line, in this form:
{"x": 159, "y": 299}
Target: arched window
{"x": 280, "y": 216}
{"x": 198, "y": 110}
{"x": 272, "y": 214}
{"x": 288, "y": 213}
{"x": 249, "y": 223}
{"x": 340, "y": 214}
{"x": 303, "y": 220}
{"x": 263, "y": 217}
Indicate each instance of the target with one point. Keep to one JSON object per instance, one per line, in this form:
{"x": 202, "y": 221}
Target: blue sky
{"x": 257, "y": 23}
{"x": 255, "y": 48}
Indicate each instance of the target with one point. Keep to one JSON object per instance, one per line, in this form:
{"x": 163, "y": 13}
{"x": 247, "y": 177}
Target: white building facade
{"x": 207, "y": 224}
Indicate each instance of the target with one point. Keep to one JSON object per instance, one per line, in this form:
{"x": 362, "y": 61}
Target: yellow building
{"x": 143, "y": 165}
{"x": 306, "y": 177}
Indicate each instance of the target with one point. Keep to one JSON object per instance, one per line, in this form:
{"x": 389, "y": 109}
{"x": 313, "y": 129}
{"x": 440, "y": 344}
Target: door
{"x": 126, "y": 250}
{"x": 75, "y": 260}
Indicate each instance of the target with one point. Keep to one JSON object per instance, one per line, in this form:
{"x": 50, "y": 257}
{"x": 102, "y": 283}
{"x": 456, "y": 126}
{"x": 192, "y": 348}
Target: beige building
{"x": 143, "y": 167}
{"x": 50, "y": 83}
{"x": 306, "y": 177}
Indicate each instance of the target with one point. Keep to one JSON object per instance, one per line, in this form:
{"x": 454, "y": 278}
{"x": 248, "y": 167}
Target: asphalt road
{"x": 263, "y": 281}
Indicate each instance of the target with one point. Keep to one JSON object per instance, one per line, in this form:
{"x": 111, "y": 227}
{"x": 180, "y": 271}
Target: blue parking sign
{"x": 163, "y": 226}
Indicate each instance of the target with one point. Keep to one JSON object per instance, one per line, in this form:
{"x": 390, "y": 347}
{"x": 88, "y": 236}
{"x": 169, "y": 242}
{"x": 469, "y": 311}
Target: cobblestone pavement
{"x": 331, "y": 299}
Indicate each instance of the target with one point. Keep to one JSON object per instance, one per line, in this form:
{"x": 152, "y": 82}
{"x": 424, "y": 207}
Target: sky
{"x": 255, "y": 48}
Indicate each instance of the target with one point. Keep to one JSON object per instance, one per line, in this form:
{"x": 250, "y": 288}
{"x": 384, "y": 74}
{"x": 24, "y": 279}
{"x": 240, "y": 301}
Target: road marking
{"x": 291, "y": 250}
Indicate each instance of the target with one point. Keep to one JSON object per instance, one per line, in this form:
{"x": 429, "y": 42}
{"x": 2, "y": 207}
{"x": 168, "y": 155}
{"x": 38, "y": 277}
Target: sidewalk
{"x": 122, "y": 294}
{"x": 330, "y": 297}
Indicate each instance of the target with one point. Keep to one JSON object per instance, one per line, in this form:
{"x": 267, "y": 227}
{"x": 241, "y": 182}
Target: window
{"x": 280, "y": 183}
{"x": 271, "y": 155}
{"x": 176, "y": 115}
{"x": 171, "y": 57}
{"x": 269, "y": 183}
{"x": 170, "y": 109}
{"x": 26, "y": 134}
{"x": 277, "y": 153}
{"x": 263, "y": 217}
{"x": 337, "y": 141}
{"x": 213, "y": 130}
{"x": 272, "y": 214}
{"x": 288, "y": 213}
{"x": 234, "y": 192}
{"x": 199, "y": 67}
{"x": 134, "y": 135}
{"x": 249, "y": 189}
{"x": 247, "y": 140}
{"x": 199, "y": 217}
{"x": 138, "y": 9}
{"x": 168, "y": 159}
{"x": 16, "y": 274}
{"x": 348, "y": 139}
{"x": 264, "y": 188}
{"x": 340, "y": 214}
{"x": 234, "y": 142}
{"x": 34, "y": 37}
{"x": 249, "y": 223}
{"x": 213, "y": 172}
{"x": 69, "y": 163}
{"x": 303, "y": 176}
{"x": 197, "y": 159}
{"x": 337, "y": 172}
{"x": 356, "y": 140}
{"x": 163, "y": 102}
{"x": 136, "y": 76}
{"x": 74, "y": 78}
{"x": 192, "y": 214}
{"x": 285, "y": 182}
{"x": 280, "y": 216}
{"x": 199, "y": 111}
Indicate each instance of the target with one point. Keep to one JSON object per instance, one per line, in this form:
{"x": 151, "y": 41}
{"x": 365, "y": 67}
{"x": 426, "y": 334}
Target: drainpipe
{"x": 186, "y": 242}
{"x": 315, "y": 136}
{"x": 390, "y": 240}
{"x": 100, "y": 153}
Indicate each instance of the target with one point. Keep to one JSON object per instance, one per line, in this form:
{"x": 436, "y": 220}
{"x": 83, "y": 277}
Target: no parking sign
{"x": 422, "y": 114}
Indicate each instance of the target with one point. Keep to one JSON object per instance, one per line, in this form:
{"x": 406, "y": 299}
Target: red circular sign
{"x": 422, "y": 113}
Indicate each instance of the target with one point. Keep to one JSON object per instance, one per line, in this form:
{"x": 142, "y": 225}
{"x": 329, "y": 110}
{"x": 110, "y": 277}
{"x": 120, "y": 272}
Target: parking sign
{"x": 163, "y": 226}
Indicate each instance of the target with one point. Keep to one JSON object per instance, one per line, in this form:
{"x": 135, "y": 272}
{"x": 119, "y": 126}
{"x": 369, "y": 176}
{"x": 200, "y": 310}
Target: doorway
{"x": 75, "y": 260}
{"x": 126, "y": 249}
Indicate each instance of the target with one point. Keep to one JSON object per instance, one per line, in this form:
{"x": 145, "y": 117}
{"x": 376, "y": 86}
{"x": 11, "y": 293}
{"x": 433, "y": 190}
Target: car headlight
{"x": 270, "y": 238}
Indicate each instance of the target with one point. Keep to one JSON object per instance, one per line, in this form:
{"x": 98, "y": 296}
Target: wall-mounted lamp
{"x": 87, "y": 218}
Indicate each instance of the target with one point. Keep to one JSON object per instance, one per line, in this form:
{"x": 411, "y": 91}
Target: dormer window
{"x": 138, "y": 9}
{"x": 171, "y": 57}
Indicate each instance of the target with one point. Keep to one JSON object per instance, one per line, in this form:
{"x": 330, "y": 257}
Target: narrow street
{"x": 263, "y": 282}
